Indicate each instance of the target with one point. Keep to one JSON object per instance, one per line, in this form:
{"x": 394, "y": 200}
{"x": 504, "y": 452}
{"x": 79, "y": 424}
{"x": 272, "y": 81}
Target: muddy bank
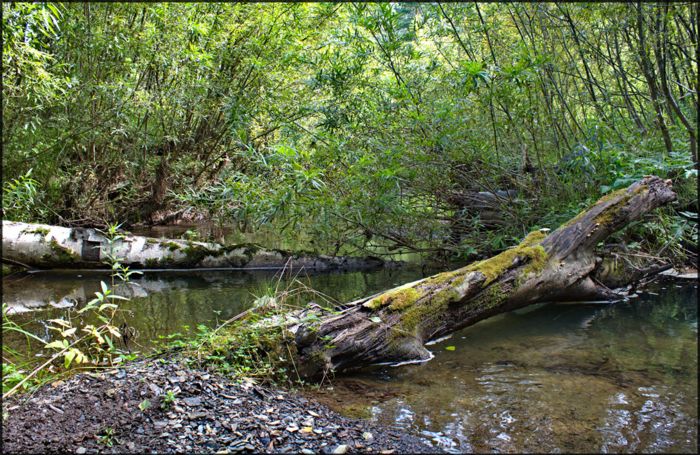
{"x": 106, "y": 412}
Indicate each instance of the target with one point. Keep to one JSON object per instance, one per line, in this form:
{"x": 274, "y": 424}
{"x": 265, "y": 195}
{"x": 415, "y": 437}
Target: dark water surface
{"x": 552, "y": 377}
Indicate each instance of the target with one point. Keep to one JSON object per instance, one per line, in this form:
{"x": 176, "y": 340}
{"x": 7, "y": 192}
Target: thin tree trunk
{"x": 651, "y": 81}
{"x": 661, "y": 52}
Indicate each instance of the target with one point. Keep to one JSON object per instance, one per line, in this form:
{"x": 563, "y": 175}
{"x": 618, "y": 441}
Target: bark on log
{"x": 394, "y": 326}
{"x": 48, "y": 247}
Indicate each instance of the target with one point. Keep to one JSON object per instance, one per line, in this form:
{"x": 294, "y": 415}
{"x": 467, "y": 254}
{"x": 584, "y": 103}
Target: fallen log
{"x": 394, "y": 325}
{"x": 55, "y": 247}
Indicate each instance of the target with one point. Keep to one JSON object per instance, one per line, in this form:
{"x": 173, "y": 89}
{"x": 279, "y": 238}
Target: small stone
{"x": 307, "y": 451}
{"x": 81, "y": 450}
{"x": 367, "y": 436}
{"x": 342, "y": 448}
{"x": 155, "y": 389}
{"x": 192, "y": 401}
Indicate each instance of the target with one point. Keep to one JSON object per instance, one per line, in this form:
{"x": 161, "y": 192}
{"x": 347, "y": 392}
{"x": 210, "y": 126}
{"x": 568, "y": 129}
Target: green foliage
{"x": 144, "y": 405}
{"x": 21, "y": 199}
{"x": 107, "y": 437}
{"x": 167, "y": 399}
{"x": 88, "y": 339}
{"x": 367, "y": 127}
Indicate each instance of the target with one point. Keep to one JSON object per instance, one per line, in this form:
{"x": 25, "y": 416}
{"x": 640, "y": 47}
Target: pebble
{"x": 81, "y": 450}
{"x": 342, "y": 448}
{"x": 192, "y": 401}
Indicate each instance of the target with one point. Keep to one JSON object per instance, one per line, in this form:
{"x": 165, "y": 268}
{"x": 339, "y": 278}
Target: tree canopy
{"x": 358, "y": 123}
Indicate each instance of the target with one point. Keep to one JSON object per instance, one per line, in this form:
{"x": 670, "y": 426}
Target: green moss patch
{"x": 425, "y": 310}
{"x": 172, "y": 246}
{"x": 42, "y": 231}
{"x": 61, "y": 254}
{"x": 530, "y": 247}
{"x": 397, "y": 300}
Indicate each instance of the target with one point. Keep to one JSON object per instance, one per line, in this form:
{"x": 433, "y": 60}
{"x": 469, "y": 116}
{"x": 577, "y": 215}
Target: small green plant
{"x": 79, "y": 342}
{"x": 191, "y": 234}
{"x": 167, "y": 399}
{"x": 107, "y": 437}
{"x": 20, "y": 199}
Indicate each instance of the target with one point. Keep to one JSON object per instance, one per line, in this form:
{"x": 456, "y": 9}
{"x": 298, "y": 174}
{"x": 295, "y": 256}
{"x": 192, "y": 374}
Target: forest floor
{"x": 128, "y": 410}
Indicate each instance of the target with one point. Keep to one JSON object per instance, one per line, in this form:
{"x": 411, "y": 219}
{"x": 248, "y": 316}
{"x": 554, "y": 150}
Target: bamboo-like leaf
{"x": 55, "y": 345}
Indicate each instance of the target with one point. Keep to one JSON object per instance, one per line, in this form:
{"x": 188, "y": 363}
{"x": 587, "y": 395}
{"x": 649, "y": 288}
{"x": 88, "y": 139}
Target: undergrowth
{"x": 86, "y": 338}
{"x": 256, "y": 344}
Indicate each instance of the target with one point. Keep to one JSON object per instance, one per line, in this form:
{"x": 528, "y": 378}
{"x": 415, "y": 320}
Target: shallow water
{"x": 553, "y": 377}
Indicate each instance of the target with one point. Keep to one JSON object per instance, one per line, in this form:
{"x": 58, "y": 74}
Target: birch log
{"x": 47, "y": 247}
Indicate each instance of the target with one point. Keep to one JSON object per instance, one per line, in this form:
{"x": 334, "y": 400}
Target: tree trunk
{"x": 393, "y": 326}
{"x": 44, "y": 246}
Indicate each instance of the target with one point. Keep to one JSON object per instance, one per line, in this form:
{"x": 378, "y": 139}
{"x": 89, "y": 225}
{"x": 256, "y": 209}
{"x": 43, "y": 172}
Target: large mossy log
{"x": 394, "y": 326}
{"x": 55, "y": 247}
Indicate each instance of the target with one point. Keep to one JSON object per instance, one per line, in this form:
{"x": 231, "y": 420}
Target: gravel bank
{"x": 102, "y": 411}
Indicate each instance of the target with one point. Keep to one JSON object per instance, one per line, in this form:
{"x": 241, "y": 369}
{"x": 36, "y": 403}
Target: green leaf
{"x": 450, "y": 348}
{"x": 145, "y": 404}
{"x": 376, "y": 319}
{"x": 118, "y": 297}
{"x": 108, "y": 305}
{"x": 60, "y": 322}
{"x": 68, "y": 358}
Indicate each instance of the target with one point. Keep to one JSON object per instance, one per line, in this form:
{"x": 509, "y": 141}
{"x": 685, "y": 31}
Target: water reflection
{"x": 162, "y": 304}
{"x": 556, "y": 378}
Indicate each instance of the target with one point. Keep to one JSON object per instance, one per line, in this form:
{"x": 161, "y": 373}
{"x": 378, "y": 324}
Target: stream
{"x": 550, "y": 377}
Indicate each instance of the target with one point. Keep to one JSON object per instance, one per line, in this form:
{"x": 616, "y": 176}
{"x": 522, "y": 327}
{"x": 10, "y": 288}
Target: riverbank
{"x": 160, "y": 405}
